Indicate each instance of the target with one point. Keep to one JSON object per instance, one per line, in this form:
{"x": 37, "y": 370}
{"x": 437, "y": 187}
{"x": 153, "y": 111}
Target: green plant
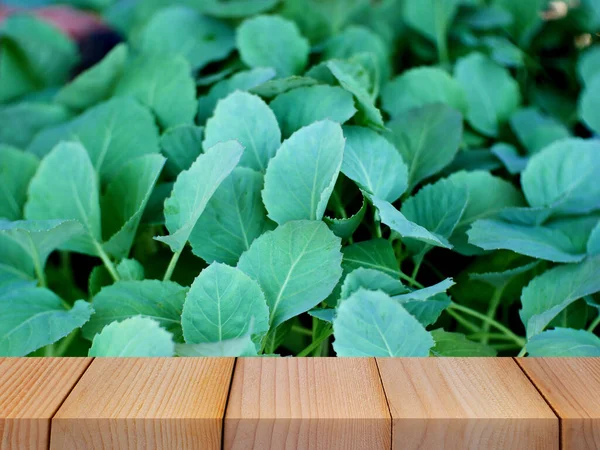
{"x": 397, "y": 178}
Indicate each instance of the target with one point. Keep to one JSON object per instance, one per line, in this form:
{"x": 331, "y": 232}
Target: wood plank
{"x": 572, "y": 387}
{"x": 145, "y": 403}
{"x": 31, "y": 390}
{"x": 307, "y": 403}
{"x": 465, "y": 403}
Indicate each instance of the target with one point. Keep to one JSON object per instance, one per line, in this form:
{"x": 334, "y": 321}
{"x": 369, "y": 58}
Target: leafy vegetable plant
{"x": 285, "y": 177}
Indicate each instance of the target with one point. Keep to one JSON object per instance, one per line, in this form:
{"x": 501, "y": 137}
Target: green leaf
{"x": 593, "y": 244}
{"x": 457, "y": 345}
{"x": 427, "y": 138}
{"x": 550, "y": 293}
{"x": 372, "y": 280}
{"x": 426, "y": 293}
{"x": 374, "y": 164}
{"x": 564, "y": 176}
{"x": 492, "y": 94}
{"x": 394, "y": 219}
{"x": 22, "y": 121}
{"x": 181, "y": 145}
{"x": 510, "y": 157}
{"x": 271, "y": 41}
{"x": 241, "y": 81}
{"x": 66, "y": 187}
{"x": 16, "y": 171}
{"x": 162, "y": 82}
{"x": 35, "y": 317}
{"x": 113, "y": 133}
{"x": 277, "y": 86}
{"x": 422, "y": 86}
{"x": 135, "y": 337}
{"x": 37, "y": 239}
{"x": 438, "y": 208}
{"x": 124, "y": 202}
{"x": 182, "y": 30}
{"x": 301, "y": 176}
{"x": 588, "y": 65}
{"x": 17, "y": 79}
{"x": 503, "y": 278}
{"x": 297, "y": 266}
{"x": 372, "y": 324}
{"x": 427, "y": 311}
{"x": 95, "y": 84}
{"x": 221, "y": 304}
{"x": 189, "y": 198}
{"x": 431, "y": 18}
{"x": 130, "y": 269}
{"x": 234, "y": 217}
{"x": 526, "y": 17}
{"x": 235, "y": 9}
{"x": 300, "y": 107}
{"x": 161, "y": 301}
{"x": 375, "y": 254}
{"x": 242, "y": 346}
{"x": 535, "y": 241}
{"x": 564, "y": 342}
{"x": 248, "y": 119}
{"x": 346, "y": 227}
{"x": 589, "y": 102}
{"x": 536, "y": 130}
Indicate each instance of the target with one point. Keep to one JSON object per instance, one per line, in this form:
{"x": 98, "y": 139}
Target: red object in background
{"x": 76, "y": 24}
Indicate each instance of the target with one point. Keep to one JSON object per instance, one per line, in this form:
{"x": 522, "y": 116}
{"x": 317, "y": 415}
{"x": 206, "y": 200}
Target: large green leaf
{"x": 22, "y": 121}
{"x": 164, "y": 83}
{"x": 526, "y": 17}
{"x": 16, "y": 170}
{"x": 564, "y": 176}
{"x": 438, "y": 208}
{"x": 372, "y": 324}
{"x": 189, "y": 198}
{"x": 113, "y": 133}
{"x": 492, "y": 94}
{"x": 297, "y": 266}
{"x": 427, "y": 138}
{"x": 432, "y": 18}
{"x": 536, "y": 130}
{"x": 300, "y": 107}
{"x": 589, "y": 104}
{"x": 233, "y": 218}
{"x": 375, "y": 254}
{"x": 181, "y": 145}
{"x": 301, "y": 176}
{"x": 35, "y": 317}
{"x": 134, "y": 337}
{"x": 422, "y": 86}
{"x": 372, "y": 280}
{"x": 124, "y": 202}
{"x": 158, "y": 300}
{"x": 65, "y": 187}
{"x": 182, "y": 30}
{"x": 271, "y": 41}
{"x": 221, "y": 304}
{"x": 564, "y": 342}
{"x": 95, "y": 84}
{"x": 374, "y": 164}
{"x": 248, "y": 119}
{"x": 550, "y": 293}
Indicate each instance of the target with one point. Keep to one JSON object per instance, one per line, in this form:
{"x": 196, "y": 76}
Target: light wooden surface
{"x": 572, "y": 387}
{"x": 31, "y": 390}
{"x": 307, "y": 403}
{"x": 145, "y": 404}
{"x": 465, "y": 403}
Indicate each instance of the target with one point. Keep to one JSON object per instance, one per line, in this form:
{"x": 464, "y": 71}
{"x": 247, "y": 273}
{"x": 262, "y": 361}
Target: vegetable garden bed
{"x": 263, "y": 177}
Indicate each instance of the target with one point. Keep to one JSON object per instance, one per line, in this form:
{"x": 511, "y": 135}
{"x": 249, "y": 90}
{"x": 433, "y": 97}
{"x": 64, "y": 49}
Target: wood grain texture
{"x": 145, "y": 404}
{"x": 465, "y": 403}
{"x": 31, "y": 390}
{"x": 572, "y": 387}
{"x": 308, "y": 404}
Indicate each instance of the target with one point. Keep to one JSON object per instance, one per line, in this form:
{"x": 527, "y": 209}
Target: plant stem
{"x": 65, "y": 343}
{"x": 411, "y": 280}
{"x": 315, "y": 344}
{"x": 460, "y": 319}
{"x": 491, "y": 313}
{"x": 301, "y": 330}
{"x": 415, "y": 271}
{"x": 171, "y": 266}
{"x": 494, "y": 336}
{"x": 107, "y": 262}
{"x": 49, "y": 350}
{"x": 594, "y": 324}
{"x": 517, "y": 339}
{"x": 522, "y": 352}
{"x": 39, "y": 270}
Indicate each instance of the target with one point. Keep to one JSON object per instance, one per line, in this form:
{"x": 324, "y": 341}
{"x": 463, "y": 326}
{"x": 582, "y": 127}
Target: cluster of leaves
{"x": 249, "y": 177}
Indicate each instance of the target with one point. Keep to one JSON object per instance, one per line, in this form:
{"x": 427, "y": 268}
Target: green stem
{"x": 171, "y": 266}
{"x": 441, "y": 40}
{"x": 415, "y": 271}
{"x": 301, "y": 330}
{"x": 517, "y": 339}
{"x": 411, "y": 280}
{"x": 49, "y": 350}
{"x": 493, "y": 336}
{"x": 522, "y": 352}
{"x": 39, "y": 270}
{"x": 491, "y": 313}
{"x": 461, "y": 320}
{"x": 106, "y": 261}
{"x": 66, "y": 342}
{"x": 594, "y": 324}
{"x": 315, "y": 344}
